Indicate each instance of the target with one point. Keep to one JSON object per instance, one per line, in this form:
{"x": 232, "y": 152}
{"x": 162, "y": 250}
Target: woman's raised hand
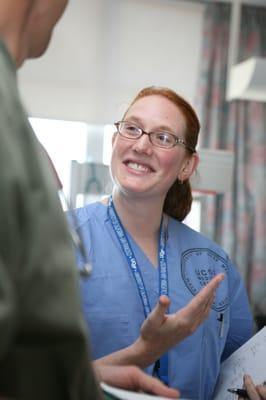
{"x": 161, "y": 331}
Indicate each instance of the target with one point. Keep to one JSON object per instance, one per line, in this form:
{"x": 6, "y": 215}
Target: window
{"x": 64, "y": 141}
{"x": 193, "y": 218}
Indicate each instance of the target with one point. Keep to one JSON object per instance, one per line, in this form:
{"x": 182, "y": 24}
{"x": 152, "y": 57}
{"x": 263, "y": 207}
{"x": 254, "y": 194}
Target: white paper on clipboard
{"x": 248, "y": 359}
{"x": 128, "y": 395}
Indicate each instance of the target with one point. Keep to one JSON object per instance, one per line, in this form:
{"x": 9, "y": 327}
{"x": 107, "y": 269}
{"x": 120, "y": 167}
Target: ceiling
{"x": 244, "y": 2}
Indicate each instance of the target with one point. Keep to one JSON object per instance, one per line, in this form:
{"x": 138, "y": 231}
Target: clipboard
{"x": 248, "y": 359}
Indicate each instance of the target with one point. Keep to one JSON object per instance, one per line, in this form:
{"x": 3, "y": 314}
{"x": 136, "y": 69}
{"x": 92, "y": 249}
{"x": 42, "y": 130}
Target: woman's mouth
{"x": 138, "y": 166}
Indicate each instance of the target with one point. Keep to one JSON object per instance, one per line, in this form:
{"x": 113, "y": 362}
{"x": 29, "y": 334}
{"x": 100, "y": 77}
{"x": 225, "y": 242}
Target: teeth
{"x": 138, "y": 167}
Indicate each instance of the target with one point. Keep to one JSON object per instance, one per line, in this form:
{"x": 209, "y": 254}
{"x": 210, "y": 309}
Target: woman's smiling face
{"x": 140, "y": 168}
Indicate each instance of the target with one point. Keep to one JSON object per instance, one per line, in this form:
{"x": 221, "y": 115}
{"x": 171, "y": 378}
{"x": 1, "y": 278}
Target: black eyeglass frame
{"x": 178, "y": 141}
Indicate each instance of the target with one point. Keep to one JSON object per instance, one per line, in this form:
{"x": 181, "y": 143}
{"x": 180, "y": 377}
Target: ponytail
{"x": 178, "y": 200}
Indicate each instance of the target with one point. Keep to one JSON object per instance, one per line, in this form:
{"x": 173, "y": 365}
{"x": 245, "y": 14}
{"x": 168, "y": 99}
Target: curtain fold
{"x": 236, "y": 220}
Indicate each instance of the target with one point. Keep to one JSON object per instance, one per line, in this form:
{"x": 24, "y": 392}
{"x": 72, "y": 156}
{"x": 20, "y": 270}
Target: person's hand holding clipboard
{"x": 250, "y": 390}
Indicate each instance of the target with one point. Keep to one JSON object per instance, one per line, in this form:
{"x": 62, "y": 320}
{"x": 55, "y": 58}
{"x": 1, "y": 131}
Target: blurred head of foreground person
{"x": 43, "y": 345}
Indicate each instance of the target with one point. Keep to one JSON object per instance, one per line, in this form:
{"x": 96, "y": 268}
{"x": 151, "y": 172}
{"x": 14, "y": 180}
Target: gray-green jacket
{"x": 43, "y": 350}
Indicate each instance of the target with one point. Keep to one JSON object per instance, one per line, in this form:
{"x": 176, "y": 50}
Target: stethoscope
{"x": 86, "y": 268}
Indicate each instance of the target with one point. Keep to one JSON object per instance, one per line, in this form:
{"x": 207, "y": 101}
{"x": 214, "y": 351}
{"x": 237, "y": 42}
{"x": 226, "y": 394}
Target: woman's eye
{"x": 163, "y": 138}
{"x": 132, "y": 129}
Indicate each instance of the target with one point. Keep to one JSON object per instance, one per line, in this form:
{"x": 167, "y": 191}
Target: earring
{"x": 180, "y": 182}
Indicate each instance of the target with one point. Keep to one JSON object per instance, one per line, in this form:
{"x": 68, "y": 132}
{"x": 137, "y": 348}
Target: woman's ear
{"x": 189, "y": 166}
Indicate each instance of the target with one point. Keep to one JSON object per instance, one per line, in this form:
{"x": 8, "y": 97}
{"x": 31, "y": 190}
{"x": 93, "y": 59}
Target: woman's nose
{"x": 143, "y": 144}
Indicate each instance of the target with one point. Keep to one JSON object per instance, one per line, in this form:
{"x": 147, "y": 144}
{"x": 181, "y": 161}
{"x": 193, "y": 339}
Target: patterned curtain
{"x": 237, "y": 220}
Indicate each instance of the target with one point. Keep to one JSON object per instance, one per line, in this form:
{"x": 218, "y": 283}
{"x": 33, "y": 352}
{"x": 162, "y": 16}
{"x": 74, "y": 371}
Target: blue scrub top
{"x": 114, "y": 312}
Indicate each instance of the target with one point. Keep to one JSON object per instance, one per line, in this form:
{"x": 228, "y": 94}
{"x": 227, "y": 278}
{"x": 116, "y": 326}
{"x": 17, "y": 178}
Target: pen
{"x": 240, "y": 392}
{"x": 221, "y": 319}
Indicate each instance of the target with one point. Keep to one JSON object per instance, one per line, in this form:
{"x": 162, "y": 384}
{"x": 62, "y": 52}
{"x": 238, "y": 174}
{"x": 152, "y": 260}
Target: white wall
{"x": 104, "y": 51}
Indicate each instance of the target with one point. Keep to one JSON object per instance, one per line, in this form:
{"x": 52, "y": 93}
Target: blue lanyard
{"x": 161, "y": 366}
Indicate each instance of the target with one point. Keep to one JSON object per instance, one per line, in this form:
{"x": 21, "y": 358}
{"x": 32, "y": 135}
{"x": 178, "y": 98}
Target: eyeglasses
{"x": 165, "y": 140}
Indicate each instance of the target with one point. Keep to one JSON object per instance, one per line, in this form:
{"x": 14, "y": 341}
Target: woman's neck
{"x": 140, "y": 216}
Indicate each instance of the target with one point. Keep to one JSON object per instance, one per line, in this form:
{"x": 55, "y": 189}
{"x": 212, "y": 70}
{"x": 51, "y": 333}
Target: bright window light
{"x": 107, "y": 143}
{"x": 193, "y": 218}
{"x": 64, "y": 141}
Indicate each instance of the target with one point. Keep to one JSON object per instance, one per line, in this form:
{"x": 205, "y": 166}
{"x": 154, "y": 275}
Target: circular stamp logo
{"x": 198, "y": 267}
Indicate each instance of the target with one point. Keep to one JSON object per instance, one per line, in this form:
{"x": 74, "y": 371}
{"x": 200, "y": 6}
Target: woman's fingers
{"x": 206, "y": 296}
{"x": 162, "y": 331}
{"x": 156, "y": 318}
{"x": 208, "y": 291}
{"x": 191, "y": 316}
